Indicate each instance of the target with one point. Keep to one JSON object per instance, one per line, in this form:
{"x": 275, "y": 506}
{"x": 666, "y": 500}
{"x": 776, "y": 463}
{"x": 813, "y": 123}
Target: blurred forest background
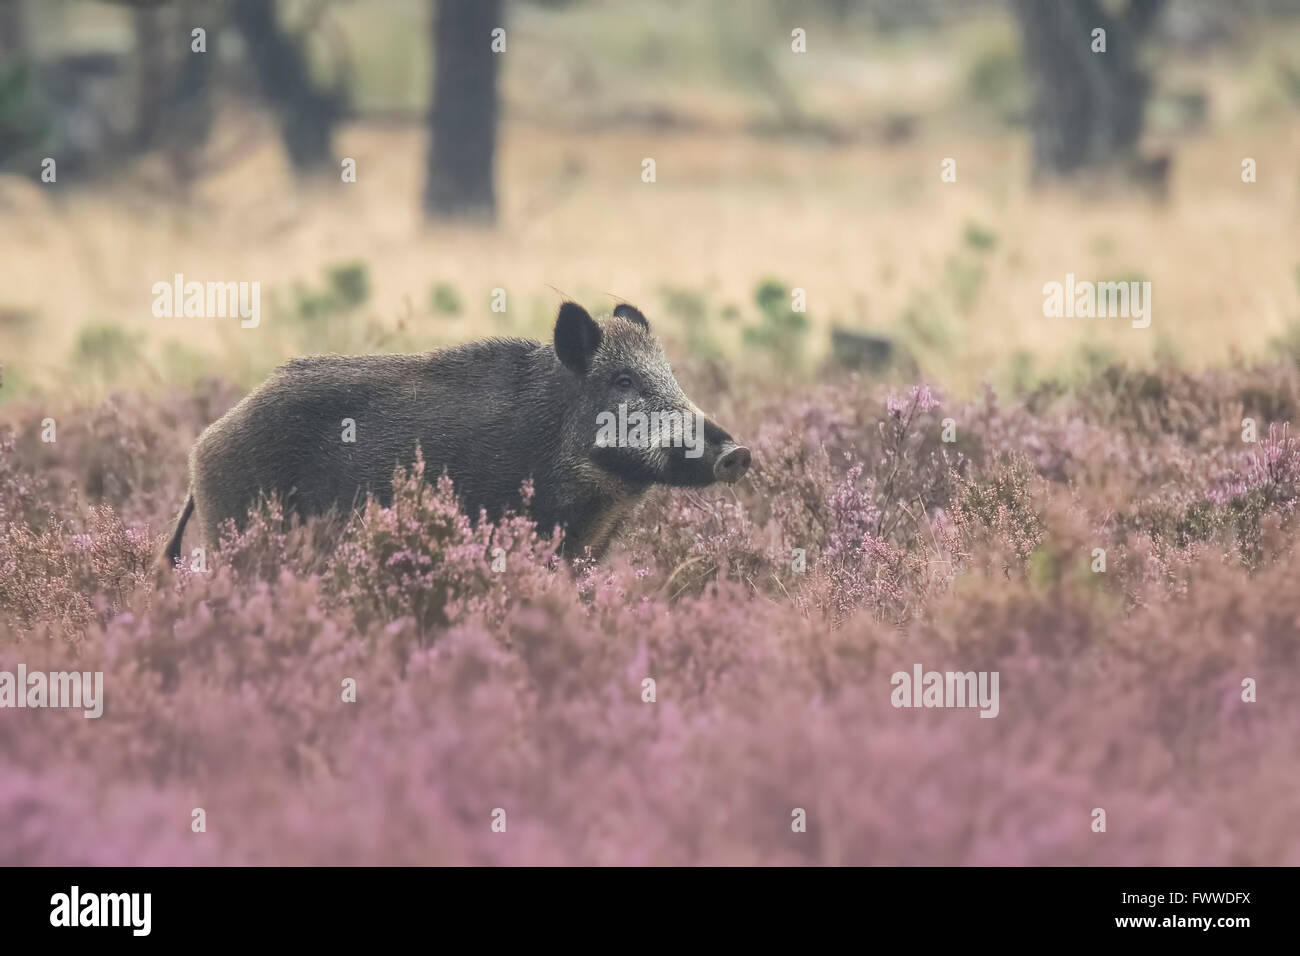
{"x": 1119, "y": 544}
{"x": 775, "y": 170}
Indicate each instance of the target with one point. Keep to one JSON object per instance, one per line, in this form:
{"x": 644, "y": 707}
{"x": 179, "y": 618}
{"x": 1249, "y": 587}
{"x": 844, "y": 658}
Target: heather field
{"x": 1098, "y": 512}
{"x": 522, "y": 689}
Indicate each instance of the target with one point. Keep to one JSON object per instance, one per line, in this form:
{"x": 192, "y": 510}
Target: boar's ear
{"x": 632, "y": 314}
{"x": 577, "y": 336}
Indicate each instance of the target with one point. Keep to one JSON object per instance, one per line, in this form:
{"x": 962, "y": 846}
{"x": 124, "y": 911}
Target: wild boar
{"x": 594, "y": 418}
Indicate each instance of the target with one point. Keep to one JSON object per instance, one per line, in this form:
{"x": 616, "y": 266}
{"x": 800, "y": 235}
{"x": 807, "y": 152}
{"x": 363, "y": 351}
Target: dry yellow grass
{"x": 867, "y": 229}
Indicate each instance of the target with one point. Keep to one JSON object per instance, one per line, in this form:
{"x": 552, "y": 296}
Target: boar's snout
{"x": 732, "y": 463}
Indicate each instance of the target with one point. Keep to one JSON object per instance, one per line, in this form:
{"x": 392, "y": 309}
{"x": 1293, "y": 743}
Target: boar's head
{"x": 633, "y": 420}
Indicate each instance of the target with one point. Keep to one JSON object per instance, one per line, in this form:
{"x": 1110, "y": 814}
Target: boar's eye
{"x": 624, "y": 381}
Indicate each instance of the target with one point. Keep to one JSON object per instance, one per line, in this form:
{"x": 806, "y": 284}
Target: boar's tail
{"x": 173, "y": 552}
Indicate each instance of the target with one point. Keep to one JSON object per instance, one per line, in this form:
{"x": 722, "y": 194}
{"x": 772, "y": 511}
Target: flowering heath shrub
{"x": 409, "y": 684}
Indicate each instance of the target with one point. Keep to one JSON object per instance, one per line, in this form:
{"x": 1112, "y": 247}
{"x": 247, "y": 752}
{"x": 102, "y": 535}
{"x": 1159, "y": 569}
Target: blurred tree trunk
{"x": 190, "y": 104}
{"x": 463, "y": 120}
{"x": 174, "y": 95}
{"x": 306, "y": 114}
{"x": 153, "y": 78}
{"x": 1088, "y": 107}
{"x": 13, "y": 33}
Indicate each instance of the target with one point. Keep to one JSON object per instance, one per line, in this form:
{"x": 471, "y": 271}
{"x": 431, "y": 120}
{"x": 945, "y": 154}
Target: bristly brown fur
{"x": 492, "y": 414}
